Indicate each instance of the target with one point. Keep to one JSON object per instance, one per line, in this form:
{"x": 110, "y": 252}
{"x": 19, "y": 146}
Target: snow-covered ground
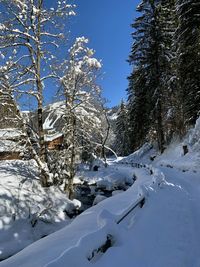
{"x": 85, "y": 234}
{"x": 164, "y": 232}
{"x": 27, "y": 211}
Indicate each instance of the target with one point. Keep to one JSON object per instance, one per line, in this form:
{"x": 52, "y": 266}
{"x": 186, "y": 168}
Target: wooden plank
{"x": 140, "y": 202}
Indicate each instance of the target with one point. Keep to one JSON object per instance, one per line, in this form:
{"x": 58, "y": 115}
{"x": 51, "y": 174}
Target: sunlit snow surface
{"x": 165, "y": 232}
{"x": 22, "y": 200}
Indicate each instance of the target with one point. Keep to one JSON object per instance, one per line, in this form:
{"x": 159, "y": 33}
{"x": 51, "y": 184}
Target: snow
{"x": 114, "y": 116}
{"x": 93, "y": 62}
{"x": 164, "y": 232}
{"x": 173, "y": 157}
{"x": 98, "y": 199}
{"x": 55, "y": 112}
{"x": 10, "y": 133}
{"x": 51, "y": 137}
{"x": 160, "y": 238}
{"x": 23, "y": 202}
{"x": 76, "y": 203}
{"x": 9, "y": 140}
{"x": 9, "y": 146}
{"x": 108, "y": 178}
{"x": 48, "y": 122}
{"x": 84, "y": 234}
{"x": 143, "y": 155}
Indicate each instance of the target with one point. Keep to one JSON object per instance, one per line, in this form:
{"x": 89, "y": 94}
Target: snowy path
{"x": 164, "y": 233}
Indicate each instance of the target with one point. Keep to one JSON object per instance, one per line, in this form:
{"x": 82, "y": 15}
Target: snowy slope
{"x": 113, "y": 113}
{"x": 27, "y": 211}
{"x": 53, "y": 115}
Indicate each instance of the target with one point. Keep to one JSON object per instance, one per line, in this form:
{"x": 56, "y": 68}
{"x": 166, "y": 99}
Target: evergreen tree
{"x": 187, "y": 40}
{"x": 138, "y": 102}
{"x": 122, "y": 147}
{"x": 167, "y": 23}
{"x": 151, "y": 57}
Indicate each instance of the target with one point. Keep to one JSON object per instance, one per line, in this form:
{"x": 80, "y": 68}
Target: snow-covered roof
{"x": 10, "y": 133}
{"x": 114, "y": 116}
{"x": 55, "y": 112}
{"x": 10, "y": 146}
{"x": 51, "y": 137}
{"x": 10, "y": 140}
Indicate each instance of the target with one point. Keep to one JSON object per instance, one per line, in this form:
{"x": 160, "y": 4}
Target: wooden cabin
{"x": 54, "y": 142}
{"x": 11, "y": 144}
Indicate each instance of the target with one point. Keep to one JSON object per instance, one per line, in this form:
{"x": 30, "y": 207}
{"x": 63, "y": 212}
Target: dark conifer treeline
{"x": 164, "y": 86}
{"x": 121, "y": 144}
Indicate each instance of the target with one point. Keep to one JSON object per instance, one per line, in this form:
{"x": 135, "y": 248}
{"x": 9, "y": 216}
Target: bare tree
{"x": 81, "y": 92}
{"x": 28, "y": 34}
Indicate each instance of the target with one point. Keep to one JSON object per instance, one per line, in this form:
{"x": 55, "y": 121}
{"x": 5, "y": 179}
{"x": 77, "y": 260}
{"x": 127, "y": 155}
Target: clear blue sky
{"x": 107, "y": 25}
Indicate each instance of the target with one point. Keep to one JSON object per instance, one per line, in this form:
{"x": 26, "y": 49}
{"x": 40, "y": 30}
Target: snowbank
{"x": 174, "y": 156}
{"x": 143, "y": 155}
{"x": 110, "y": 178}
{"x": 75, "y": 243}
{"x": 27, "y": 210}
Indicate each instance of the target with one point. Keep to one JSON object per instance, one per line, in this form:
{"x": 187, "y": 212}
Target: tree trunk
{"x": 42, "y": 152}
{"x": 39, "y": 85}
{"x": 72, "y": 159}
{"x": 70, "y": 145}
{"x": 44, "y": 173}
{"x": 160, "y": 133}
{"x": 105, "y": 139}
